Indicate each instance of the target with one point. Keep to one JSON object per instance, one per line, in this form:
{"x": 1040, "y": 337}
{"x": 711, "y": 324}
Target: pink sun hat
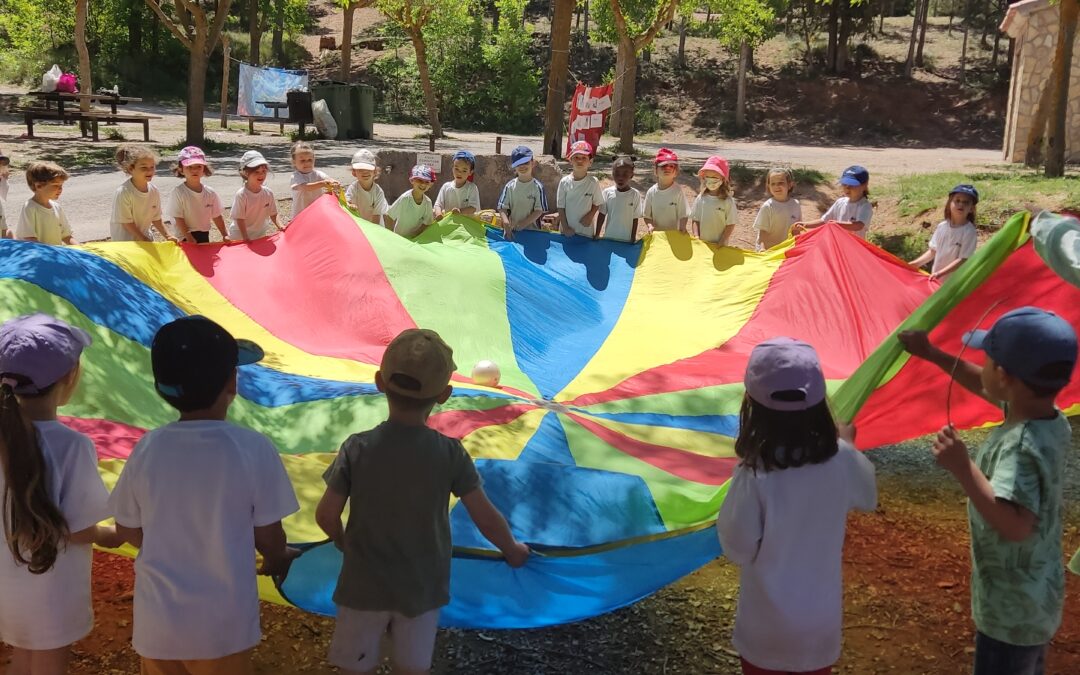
{"x": 580, "y": 148}
{"x": 192, "y": 155}
{"x": 718, "y": 164}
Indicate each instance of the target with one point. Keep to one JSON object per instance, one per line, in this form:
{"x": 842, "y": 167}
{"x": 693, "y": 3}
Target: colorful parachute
{"x": 610, "y": 439}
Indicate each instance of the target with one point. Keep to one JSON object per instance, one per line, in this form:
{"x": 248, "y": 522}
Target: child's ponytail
{"x": 33, "y": 525}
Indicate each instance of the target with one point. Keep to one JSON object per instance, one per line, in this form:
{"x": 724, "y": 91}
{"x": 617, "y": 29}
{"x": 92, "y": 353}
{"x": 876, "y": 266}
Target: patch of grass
{"x": 114, "y": 135}
{"x": 746, "y": 174}
{"x": 610, "y": 152}
{"x": 1001, "y": 194}
{"x": 75, "y": 157}
{"x": 904, "y": 245}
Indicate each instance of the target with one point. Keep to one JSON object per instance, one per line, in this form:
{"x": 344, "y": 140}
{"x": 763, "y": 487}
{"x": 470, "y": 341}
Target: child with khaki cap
{"x": 399, "y": 477}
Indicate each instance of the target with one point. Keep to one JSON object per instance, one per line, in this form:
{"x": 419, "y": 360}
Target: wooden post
{"x": 225, "y": 82}
{"x": 431, "y": 142}
{"x": 498, "y": 145}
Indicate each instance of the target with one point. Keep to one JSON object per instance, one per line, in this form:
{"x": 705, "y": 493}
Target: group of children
{"x": 200, "y": 496}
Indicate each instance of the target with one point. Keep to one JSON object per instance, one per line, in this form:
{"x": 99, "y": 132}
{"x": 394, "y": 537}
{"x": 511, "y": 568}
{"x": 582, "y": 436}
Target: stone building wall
{"x": 1034, "y": 26}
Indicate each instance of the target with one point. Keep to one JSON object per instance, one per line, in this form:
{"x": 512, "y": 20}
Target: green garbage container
{"x": 363, "y": 111}
{"x": 339, "y": 101}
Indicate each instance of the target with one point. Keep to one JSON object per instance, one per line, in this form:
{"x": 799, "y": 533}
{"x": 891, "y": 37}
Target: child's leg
{"x": 994, "y": 657}
{"x": 414, "y": 642}
{"x": 234, "y": 664}
{"x": 750, "y": 669}
{"x": 39, "y": 661}
{"x": 357, "y": 635}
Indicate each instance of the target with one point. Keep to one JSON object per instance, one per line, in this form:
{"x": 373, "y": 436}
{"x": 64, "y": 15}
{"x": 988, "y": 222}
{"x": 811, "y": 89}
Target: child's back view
{"x": 198, "y": 497}
{"x": 399, "y": 477}
{"x": 790, "y": 589}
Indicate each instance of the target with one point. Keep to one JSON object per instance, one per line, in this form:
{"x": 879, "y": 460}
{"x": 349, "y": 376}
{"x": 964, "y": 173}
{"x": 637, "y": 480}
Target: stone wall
{"x": 1034, "y": 26}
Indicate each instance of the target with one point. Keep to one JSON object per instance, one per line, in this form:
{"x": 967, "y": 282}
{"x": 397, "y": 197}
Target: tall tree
{"x": 200, "y": 37}
{"x": 84, "y": 54}
{"x": 413, "y": 16}
{"x": 742, "y": 26}
{"x": 909, "y": 65}
{"x": 255, "y": 18}
{"x": 562, "y": 15}
{"x": 349, "y": 7}
{"x": 1059, "y": 83}
{"x": 923, "y": 20}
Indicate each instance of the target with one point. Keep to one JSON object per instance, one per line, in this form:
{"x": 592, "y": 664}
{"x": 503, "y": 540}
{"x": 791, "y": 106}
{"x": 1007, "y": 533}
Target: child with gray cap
{"x": 254, "y": 207}
{"x": 791, "y": 454}
{"x": 199, "y": 497}
{"x": 397, "y": 479}
{"x": 1013, "y": 484}
{"x": 53, "y": 496}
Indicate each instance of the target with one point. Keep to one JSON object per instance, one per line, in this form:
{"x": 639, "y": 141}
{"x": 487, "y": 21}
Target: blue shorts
{"x": 994, "y": 657}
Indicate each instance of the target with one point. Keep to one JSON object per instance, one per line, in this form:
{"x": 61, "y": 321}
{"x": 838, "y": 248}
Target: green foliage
{"x": 639, "y": 15}
{"x": 647, "y": 118}
{"x": 738, "y": 21}
{"x": 903, "y": 245}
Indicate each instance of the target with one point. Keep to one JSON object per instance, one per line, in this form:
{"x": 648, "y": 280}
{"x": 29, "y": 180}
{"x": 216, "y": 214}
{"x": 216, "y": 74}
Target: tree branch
{"x": 169, "y": 23}
{"x": 662, "y": 18}
{"x": 620, "y": 20}
{"x": 220, "y": 15}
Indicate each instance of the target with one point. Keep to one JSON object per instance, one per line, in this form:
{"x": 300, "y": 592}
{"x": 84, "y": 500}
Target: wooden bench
{"x": 280, "y": 121}
{"x": 88, "y": 119}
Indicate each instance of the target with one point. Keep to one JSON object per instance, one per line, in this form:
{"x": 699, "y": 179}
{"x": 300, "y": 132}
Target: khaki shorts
{"x": 233, "y": 664}
{"x": 355, "y": 645}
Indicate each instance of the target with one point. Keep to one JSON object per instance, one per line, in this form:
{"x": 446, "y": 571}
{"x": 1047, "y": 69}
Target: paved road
{"x": 88, "y": 195}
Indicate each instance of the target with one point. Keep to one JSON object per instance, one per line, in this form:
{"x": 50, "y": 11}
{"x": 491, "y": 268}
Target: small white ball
{"x": 486, "y": 373}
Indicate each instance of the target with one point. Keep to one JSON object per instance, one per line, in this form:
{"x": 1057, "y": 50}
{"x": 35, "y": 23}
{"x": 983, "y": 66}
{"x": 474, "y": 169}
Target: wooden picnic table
{"x": 61, "y": 97}
{"x": 277, "y": 107}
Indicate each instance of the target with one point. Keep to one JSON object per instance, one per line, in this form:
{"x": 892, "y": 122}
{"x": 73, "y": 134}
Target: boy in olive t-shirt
{"x": 399, "y": 477}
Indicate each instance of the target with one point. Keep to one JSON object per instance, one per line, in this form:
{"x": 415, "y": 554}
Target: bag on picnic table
{"x": 68, "y": 83}
{"x": 51, "y": 78}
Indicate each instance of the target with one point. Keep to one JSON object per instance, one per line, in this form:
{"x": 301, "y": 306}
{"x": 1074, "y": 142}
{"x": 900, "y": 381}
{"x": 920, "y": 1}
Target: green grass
{"x": 904, "y": 245}
{"x": 745, "y": 174}
{"x": 76, "y": 157}
{"x": 1001, "y": 194}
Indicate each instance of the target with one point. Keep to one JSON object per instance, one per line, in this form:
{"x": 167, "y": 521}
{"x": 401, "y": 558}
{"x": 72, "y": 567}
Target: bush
{"x": 647, "y": 118}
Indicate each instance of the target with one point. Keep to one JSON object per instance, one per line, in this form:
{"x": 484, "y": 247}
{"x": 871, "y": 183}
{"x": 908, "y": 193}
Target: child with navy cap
{"x": 461, "y": 194}
{"x": 955, "y": 238}
{"x": 199, "y": 497}
{"x": 791, "y": 454}
{"x": 53, "y": 496}
{"x": 523, "y": 199}
{"x": 1014, "y": 483}
{"x": 853, "y": 211}
{"x": 412, "y": 212}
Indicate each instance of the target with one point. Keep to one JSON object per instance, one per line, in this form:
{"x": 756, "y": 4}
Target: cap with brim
{"x": 965, "y": 189}
{"x": 36, "y": 350}
{"x": 422, "y": 172}
{"x": 363, "y": 159}
{"x": 423, "y": 358}
{"x": 785, "y": 374}
{"x": 1027, "y": 340}
{"x": 252, "y": 159}
{"x": 854, "y": 176}
{"x": 192, "y": 155}
{"x": 520, "y": 155}
{"x": 466, "y": 156}
{"x": 192, "y": 357}
{"x": 580, "y": 148}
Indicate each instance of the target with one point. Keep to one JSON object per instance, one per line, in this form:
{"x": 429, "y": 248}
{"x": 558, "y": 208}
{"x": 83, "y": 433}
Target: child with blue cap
{"x": 955, "y": 238}
{"x": 523, "y": 199}
{"x": 461, "y": 194}
{"x": 1013, "y": 484}
{"x": 853, "y": 211}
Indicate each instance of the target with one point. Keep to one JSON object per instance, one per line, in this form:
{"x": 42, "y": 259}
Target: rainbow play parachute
{"x": 610, "y": 440}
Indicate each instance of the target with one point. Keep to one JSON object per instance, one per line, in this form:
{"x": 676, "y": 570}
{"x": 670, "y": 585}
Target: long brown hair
{"x": 34, "y": 528}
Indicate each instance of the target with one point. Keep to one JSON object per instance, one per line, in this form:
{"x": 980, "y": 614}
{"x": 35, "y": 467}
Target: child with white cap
{"x": 579, "y": 195}
{"x": 364, "y": 194}
{"x": 254, "y": 207}
{"x": 713, "y": 216}
{"x": 412, "y": 212}
{"x": 192, "y": 205}
{"x": 53, "y": 496}
{"x": 790, "y": 607}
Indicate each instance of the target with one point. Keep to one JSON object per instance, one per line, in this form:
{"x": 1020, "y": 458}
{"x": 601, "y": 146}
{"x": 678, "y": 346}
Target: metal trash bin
{"x": 363, "y": 111}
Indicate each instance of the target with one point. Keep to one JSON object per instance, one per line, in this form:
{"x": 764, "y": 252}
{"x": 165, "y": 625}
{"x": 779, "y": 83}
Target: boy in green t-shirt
{"x": 1013, "y": 484}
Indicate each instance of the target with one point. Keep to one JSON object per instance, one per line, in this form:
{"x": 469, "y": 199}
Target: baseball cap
{"x": 665, "y": 156}
{"x": 363, "y": 159}
{"x": 520, "y": 155}
{"x": 252, "y": 159}
{"x": 783, "y": 364}
{"x": 420, "y": 354}
{"x": 1026, "y": 340}
{"x": 622, "y": 160}
{"x": 422, "y": 172}
{"x": 4, "y": 157}
{"x": 36, "y": 350}
{"x": 965, "y": 189}
{"x": 580, "y": 148}
{"x": 192, "y": 155}
{"x": 465, "y": 155}
{"x": 717, "y": 164}
{"x": 192, "y": 357}
{"x": 855, "y": 175}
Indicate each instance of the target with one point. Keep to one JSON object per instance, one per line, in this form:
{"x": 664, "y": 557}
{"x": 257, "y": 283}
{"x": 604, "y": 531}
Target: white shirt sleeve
{"x": 273, "y": 201}
{"x": 174, "y": 204}
{"x": 65, "y": 226}
{"x": 741, "y": 522}
{"x": 646, "y": 207}
{"x": 598, "y": 194}
{"x": 379, "y": 205}
{"x": 26, "y": 227}
{"x": 440, "y": 199}
{"x": 969, "y": 241}
{"x": 395, "y": 209}
{"x": 731, "y": 212}
{"x": 472, "y": 197}
{"x": 273, "y": 493}
{"x": 832, "y": 211}
{"x": 697, "y": 212}
{"x": 761, "y": 220}
{"x": 84, "y": 501}
{"x": 862, "y": 481}
{"x": 123, "y": 502}
{"x": 639, "y": 204}
{"x": 238, "y": 203}
{"x": 864, "y": 212}
{"x": 429, "y": 213}
{"x": 123, "y": 211}
{"x": 935, "y": 239}
{"x": 215, "y": 204}
{"x": 4, "y": 182}
{"x": 680, "y": 205}
{"x": 560, "y": 194}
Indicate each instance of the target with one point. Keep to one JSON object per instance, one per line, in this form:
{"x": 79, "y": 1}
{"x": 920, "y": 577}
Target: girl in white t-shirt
{"x": 53, "y": 497}
{"x": 790, "y": 607}
{"x": 713, "y": 216}
{"x": 780, "y": 212}
{"x": 665, "y": 204}
{"x": 192, "y": 205}
{"x": 307, "y": 183}
{"x": 137, "y": 204}
{"x": 955, "y": 238}
{"x": 254, "y": 208}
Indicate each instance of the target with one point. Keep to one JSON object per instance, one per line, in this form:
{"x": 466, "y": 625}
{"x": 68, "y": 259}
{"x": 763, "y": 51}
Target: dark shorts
{"x": 201, "y": 237}
{"x": 994, "y": 657}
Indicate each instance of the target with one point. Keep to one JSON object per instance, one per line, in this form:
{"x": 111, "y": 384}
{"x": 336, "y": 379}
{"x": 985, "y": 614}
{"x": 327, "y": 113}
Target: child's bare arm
{"x": 948, "y": 269}
{"x": 277, "y": 556}
{"x": 493, "y": 526}
{"x": 160, "y": 227}
{"x": 182, "y": 228}
{"x": 725, "y": 236}
{"x": 130, "y": 535}
{"x": 328, "y": 515}
{"x": 967, "y": 374}
{"x": 682, "y": 224}
{"x": 533, "y": 216}
{"x": 135, "y": 232}
{"x": 220, "y": 223}
{"x": 105, "y": 536}
{"x": 926, "y": 257}
{"x": 241, "y": 225}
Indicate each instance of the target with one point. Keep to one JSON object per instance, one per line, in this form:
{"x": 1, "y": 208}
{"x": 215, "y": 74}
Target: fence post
{"x": 225, "y": 82}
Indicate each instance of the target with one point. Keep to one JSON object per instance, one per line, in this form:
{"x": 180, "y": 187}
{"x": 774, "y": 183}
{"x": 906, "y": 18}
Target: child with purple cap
{"x": 461, "y": 194}
{"x": 412, "y": 212}
{"x": 791, "y": 454}
{"x": 192, "y": 205}
{"x": 853, "y": 211}
{"x": 1013, "y": 484}
{"x": 53, "y": 496}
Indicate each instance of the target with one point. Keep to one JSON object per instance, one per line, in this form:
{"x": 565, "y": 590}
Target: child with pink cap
{"x": 192, "y": 205}
{"x": 713, "y": 216}
{"x": 791, "y": 453}
{"x": 665, "y": 204}
{"x": 579, "y": 196}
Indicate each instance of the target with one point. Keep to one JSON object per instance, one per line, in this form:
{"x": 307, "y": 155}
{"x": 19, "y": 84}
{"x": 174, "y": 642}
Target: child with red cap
{"x": 579, "y": 195}
{"x": 665, "y": 205}
{"x": 713, "y": 216}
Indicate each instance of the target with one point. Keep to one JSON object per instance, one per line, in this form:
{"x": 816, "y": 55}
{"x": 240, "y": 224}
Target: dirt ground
{"x": 906, "y": 570}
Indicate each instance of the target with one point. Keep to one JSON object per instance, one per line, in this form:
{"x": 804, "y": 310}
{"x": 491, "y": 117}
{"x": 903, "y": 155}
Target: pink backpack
{"x": 67, "y": 83}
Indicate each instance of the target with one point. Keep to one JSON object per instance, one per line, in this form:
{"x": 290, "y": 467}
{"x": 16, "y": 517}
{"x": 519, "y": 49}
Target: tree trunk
{"x": 425, "y": 83}
{"x": 197, "y": 63}
{"x": 922, "y": 33}
{"x": 745, "y": 50}
{"x": 963, "y": 54}
{"x": 586, "y": 21}
{"x": 708, "y": 13}
{"x": 277, "y": 42}
{"x": 682, "y": 42}
{"x": 629, "y": 98}
{"x": 834, "y": 29}
{"x": 155, "y": 37}
{"x": 1059, "y": 81}
{"x": 345, "y": 75}
{"x": 135, "y": 27}
{"x": 909, "y": 65}
{"x": 254, "y": 32}
{"x": 563, "y": 11}
{"x": 495, "y": 16}
{"x": 997, "y": 50}
{"x": 617, "y": 94}
{"x": 85, "y": 84}
{"x": 843, "y": 41}
{"x": 1033, "y": 153}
